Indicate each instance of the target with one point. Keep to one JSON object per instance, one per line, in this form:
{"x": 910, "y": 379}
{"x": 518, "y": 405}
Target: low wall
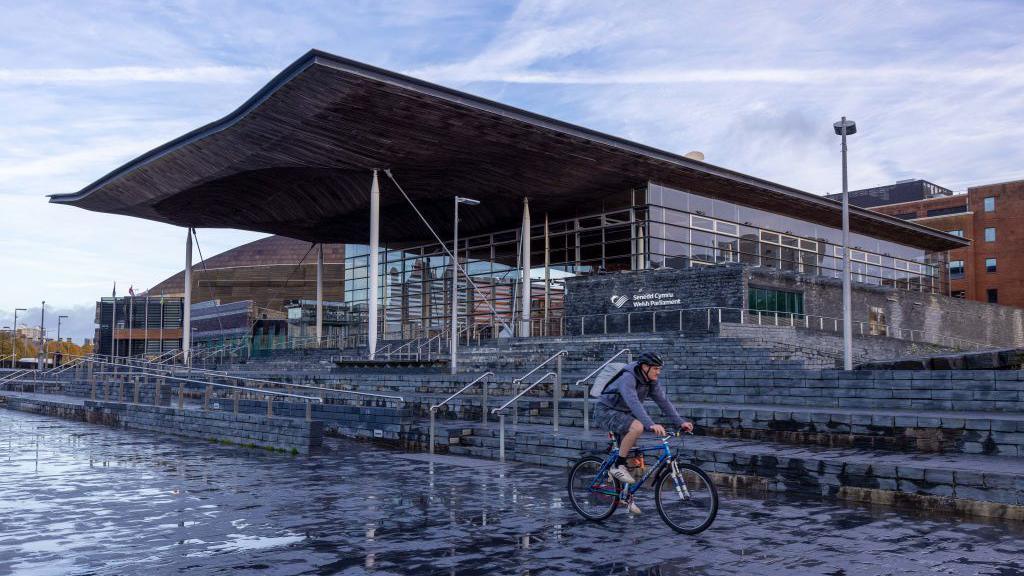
{"x": 352, "y": 420}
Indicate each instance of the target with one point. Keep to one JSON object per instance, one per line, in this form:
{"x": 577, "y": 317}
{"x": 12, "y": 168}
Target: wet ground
{"x": 84, "y": 499}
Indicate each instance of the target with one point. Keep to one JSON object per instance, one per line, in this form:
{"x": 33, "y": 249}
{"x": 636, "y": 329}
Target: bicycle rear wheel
{"x": 686, "y": 498}
{"x": 594, "y": 500}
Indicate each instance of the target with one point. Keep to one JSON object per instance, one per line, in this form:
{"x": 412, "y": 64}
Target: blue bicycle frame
{"x": 631, "y": 489}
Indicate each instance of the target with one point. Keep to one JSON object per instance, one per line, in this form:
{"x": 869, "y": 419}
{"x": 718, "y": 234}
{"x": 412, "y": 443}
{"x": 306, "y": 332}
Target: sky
{"x": 935, "y": 88}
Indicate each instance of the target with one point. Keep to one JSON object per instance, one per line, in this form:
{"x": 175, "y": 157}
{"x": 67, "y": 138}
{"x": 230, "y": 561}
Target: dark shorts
{"x": 606, "y": 418}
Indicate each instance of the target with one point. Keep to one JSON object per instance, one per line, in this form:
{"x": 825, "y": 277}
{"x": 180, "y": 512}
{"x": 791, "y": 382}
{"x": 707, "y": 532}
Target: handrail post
{"x": 557, "y": 393}
{"x": 680, "y": 320}
{"x": 432, "y": 423}
{"x": 501, "y": 436}
{"x": 135, "y": 394}
{"x": 484, "y": 406}
{"x": 236, "y": 401}
{"x": 309, "y": 411}
{"x": 181, "y": 395}
{"x": 270, "y": 406}
{"x": 515, "y": 403}
{"x": 120, "y": 387}
{"x": 206, "y": 397}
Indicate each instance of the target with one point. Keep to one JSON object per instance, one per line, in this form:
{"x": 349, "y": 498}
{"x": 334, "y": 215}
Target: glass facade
{"x": 689, "y": 229}
{"x": 654, "y": 226}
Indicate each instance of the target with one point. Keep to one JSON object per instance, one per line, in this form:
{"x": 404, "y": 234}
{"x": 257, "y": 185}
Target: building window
{"x": 769, "y": 300}
{"x": 990, "y": 234}
{"x": 906, "y": 215}
{"x": 956, "y": 269}
{"x": 993, "y": 295}
{"x": 990, "y": 203}
{"x": 876, "y": 321}
{"x": 957, "y": 233}
{"x": 961, "y": 294}
{"x": 990, "y": 264}
{"x": 950, "y": 210}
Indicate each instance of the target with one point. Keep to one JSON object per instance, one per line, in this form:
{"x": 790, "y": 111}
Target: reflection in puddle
{"x": 81, "y": 499}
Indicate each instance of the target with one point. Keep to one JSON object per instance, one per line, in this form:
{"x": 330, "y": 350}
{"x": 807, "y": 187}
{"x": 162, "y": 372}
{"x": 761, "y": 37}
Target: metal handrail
{"x": 222, "y": 374}
{"x": 516, "y": 381}
{"x": 210, "y": 386}
{"x": 216, "y": 373}
{"x": 795, "y": 320}
{"x": 520, "y": 394}
{"x": 586, "y": 395}
{"x": 461, "y": 390}
{"x": 483, "y": 410}
{"x": 501, "y": 415}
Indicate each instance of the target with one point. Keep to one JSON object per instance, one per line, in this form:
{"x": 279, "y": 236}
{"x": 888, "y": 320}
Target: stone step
{"x": 995, "y": 486}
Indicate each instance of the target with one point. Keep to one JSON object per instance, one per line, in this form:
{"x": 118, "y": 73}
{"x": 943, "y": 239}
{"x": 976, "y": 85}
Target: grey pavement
{"x": 82, "y": 499}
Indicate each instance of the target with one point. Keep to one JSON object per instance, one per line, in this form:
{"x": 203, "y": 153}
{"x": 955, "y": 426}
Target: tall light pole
{"x": 455, "y": 280}
{"x": 60, "y": 348}
{"x": 14, "y": 336}
{"x": 845, "y": 128}
{"x": 42, "y": 336}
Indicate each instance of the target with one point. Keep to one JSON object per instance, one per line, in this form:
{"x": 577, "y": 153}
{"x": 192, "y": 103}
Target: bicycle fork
{"x": 677, "y": 479}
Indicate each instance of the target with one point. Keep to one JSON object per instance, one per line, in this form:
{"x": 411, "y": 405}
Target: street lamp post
{"x": 59, "y": 346}
{"x": 455, "y": 280}
{"x": 14, "y": 336}
{"x": 42, "y": 336}
{"x": 845, "y": 128}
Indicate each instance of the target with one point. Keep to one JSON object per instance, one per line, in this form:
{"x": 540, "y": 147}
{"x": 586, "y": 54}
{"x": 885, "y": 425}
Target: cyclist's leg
{"x": 630, "y": 437}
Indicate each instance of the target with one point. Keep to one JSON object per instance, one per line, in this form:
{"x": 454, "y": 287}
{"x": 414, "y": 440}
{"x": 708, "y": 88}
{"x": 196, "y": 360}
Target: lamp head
{"x": 467, "y": 201}
{"x": 850, "y": 125}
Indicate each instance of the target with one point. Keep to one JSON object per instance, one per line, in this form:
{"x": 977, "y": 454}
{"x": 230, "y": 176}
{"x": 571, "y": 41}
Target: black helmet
{"x": 651, "y": 359}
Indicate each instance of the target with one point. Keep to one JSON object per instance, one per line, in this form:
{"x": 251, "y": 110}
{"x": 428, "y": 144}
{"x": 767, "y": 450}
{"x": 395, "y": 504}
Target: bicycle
{"x": 684, "y": 495}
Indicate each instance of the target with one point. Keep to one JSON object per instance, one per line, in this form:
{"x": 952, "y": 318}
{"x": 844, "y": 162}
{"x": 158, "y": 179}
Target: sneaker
{"x": 621, "y": 474}
{"x": 633, "y": 508}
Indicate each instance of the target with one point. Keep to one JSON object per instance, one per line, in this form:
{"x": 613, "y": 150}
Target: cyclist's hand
{"x": 658, "y": 429}
{"x": 686, "y": 427}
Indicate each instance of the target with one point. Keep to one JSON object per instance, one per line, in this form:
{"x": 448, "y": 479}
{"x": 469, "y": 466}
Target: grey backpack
{"x": 607, "y": 374}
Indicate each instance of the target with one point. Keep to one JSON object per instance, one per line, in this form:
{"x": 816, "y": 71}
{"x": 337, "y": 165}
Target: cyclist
{"x": 620, "y": 410}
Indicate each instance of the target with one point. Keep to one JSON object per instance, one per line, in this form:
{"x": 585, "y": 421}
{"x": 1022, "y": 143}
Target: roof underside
{"x": 297, "y": 158}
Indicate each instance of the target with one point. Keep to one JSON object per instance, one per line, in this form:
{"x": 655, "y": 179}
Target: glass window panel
{"x": 790, "y": 241}
{"x": 990, "y": 234}
{"x": 702, "y": 223}
{"x": 769, "y": 237}
{"x": 727, "y": 228}
{"x": 701, "y": 205}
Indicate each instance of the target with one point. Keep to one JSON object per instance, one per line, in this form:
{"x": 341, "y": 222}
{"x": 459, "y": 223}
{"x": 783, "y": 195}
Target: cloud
{"x": 133, "y": 74}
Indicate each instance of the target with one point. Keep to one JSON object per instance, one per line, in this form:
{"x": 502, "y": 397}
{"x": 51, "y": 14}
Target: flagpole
{"x": 145, "y": 334}
{"x": 113, "y": 321}
{"x": 131, "y": 315}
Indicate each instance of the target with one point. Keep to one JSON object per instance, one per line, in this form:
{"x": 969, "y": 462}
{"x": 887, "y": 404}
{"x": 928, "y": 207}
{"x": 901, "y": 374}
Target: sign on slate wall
{"x": 643, "y": 294}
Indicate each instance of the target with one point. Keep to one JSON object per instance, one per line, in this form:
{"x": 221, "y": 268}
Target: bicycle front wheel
{"x": 686, "y": 498}
{"x": 594, "y": 498}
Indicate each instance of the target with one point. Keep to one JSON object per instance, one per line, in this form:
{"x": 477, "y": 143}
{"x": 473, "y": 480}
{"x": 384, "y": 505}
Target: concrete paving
{"x": 81, "y": 499}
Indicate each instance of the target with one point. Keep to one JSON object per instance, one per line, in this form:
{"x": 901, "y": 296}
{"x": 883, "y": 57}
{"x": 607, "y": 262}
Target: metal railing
{"x": 262, "y": 382}
{"x": 435, "y": 407}
{"x": 140, "y": 376}
{"x": 710, "y": 317}
{"x": 586, "y": 393}
{"x": 500, "y": 411}
{"x": 517, "y": 381}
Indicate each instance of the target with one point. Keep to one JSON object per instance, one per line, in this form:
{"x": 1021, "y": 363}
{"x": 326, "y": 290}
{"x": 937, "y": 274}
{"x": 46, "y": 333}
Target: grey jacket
{"x": 628, "y": 392}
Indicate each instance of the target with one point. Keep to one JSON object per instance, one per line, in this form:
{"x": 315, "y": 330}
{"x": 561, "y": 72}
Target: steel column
{"x": 371, "y": 295}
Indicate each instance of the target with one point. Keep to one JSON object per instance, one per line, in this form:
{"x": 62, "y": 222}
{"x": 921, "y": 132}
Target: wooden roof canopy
{"x": 296, "y": 160}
